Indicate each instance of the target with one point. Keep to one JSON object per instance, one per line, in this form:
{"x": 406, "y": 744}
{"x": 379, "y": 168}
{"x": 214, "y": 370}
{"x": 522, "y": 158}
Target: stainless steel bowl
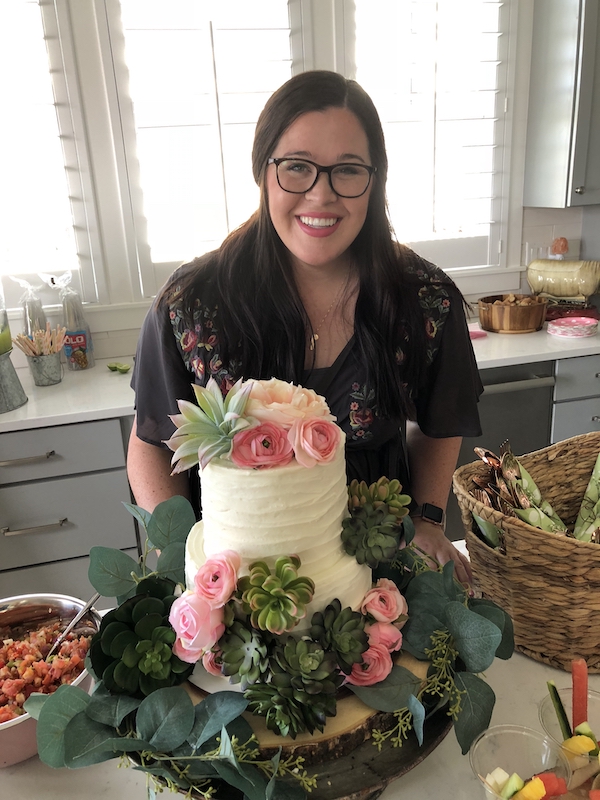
{"x": 28, "y": 611}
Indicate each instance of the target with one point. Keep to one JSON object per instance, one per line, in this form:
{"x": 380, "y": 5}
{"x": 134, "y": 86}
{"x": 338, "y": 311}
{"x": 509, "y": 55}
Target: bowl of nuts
{"x": 512, "y": 313}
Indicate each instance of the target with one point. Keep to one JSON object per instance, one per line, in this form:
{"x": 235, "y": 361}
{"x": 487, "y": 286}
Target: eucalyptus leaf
{"x": 34, "y": 703}
{"x": 248, "y": 779}
{"x": 408, "y": 530}
{"x": 165, "y": 718}
{"x": 280, "y": 789}
{"x": 416, "y": 634}
{"x": 390, "y": 694}
{"x": 110, "y": 709}
{"x": 140, "y": 514}
{"x": 418, "y": 716}
{"x": 86, "y": 742}
{"x": 214, "y": 712}
{"x": 501, "y": 619}
{"x": 476, "y": 708}
{"x": 170, "y": 562}
{"x": 56, "y": 713}
{"x": 475, "y": 637}
{"x": 171, "y": 522}
{"x": 110, "y": 571}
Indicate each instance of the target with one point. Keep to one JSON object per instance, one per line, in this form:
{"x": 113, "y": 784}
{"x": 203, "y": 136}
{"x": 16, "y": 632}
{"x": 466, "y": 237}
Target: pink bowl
{"x": 18, "y": 736}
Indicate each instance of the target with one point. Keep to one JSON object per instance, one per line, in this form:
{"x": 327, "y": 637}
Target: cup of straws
{"x": 42, "y": 349}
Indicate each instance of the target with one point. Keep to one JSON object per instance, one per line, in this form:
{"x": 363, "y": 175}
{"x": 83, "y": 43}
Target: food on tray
{"x": 24, "y": 671}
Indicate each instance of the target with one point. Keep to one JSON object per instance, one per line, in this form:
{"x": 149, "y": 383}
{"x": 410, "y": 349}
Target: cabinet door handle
{"x": 52, "y": 526}
{"x": 13, "y": 462}
{"x": 595, "y": 419}
{"x": 519, "y": 386}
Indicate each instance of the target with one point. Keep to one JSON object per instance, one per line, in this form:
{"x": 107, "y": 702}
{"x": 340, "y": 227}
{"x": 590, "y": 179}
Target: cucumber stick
{"x": 563, "y": 719}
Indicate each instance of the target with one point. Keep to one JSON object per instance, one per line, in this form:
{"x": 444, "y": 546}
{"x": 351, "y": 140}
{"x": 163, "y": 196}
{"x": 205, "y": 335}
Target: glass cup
{"x": 583, "y": 767}
{"x": 515, "y": 748}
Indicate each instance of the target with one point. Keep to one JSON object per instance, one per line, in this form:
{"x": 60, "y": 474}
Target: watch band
{"x": 430, "y": 513}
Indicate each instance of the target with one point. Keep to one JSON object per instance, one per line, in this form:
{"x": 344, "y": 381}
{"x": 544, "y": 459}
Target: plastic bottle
{"x": 78, "y": 346}
{"x": 34, "y": 316}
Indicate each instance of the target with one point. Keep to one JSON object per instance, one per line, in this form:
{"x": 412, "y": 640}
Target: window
{"x": 153, "y": 111}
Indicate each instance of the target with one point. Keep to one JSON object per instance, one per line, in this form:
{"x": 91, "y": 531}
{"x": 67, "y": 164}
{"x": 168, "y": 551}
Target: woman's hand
{"x": 432, "y": 540}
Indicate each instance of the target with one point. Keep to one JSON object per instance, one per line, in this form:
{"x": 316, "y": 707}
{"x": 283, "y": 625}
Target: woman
{"x": 313, "y": 289}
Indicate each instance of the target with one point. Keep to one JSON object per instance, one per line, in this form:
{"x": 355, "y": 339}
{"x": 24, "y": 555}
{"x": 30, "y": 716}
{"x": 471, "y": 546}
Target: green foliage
{"x": 342, "y": 631}
{"x": 476, "y": 708}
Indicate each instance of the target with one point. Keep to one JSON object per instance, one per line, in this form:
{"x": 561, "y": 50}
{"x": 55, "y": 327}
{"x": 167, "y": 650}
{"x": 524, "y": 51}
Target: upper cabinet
{"x": 562, "y": 166}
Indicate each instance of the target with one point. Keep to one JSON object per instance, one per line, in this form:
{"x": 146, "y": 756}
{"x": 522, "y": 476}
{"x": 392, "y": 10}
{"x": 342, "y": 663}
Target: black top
{"x": 171, "y": 356}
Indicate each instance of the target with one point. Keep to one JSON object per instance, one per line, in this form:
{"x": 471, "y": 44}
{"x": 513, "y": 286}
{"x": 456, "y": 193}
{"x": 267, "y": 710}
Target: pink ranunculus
{"x": 384, "y": 602}
{"x": 386, "y": 634}
{"x": 211, "y": 662}
{"x": 314, "y": 440}
{"x": 282, "y": 403}
{"x": 265, "y": 445}
{"x": 197, "y": 625}
{"x": 377, "y": 665}
{"x": 216, "y": 580}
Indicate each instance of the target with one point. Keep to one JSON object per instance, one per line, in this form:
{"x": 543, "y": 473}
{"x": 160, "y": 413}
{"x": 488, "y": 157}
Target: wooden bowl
{"x": 500, "y": 314}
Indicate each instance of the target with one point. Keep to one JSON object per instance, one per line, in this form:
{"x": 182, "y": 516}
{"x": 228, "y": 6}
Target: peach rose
{"x": 384, "y": 602}
{"x": 216, "y": 580}
{"x": 314, "y": 440}
{"x": 377, "y": 665}
{"x": 280, "y": 402}
{"x": 197, "y": 625}
{"x": 211, "y": 662}
{"x": 385, "y": 634}
{"x": 265, "y": 445}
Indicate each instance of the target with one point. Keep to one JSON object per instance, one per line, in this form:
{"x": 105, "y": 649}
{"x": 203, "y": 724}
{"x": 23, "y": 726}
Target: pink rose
{"x": 211, "y": 662}
{"x": 377, "y": 665}
{"x": 384, "y": 634}
{"x": 314, "y": 440}
{"x": 282, "y": 403}
{"x": 384, "y": 602}
{"x": 216, "y": 580}
{"x": 197, "y": 625}
{"x": 264, "y": 446}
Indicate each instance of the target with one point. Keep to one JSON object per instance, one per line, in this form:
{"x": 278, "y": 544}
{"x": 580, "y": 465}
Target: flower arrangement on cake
{"x": 283, "y": 632}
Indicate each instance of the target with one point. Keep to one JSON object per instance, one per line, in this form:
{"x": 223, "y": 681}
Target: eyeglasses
{"x": 298, "y": 175}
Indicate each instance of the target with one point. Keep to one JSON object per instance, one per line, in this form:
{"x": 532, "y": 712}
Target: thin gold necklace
{"x": 315, "y": 335}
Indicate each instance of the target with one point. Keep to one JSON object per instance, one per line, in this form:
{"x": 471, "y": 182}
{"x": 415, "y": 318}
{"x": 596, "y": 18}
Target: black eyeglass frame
{"x": 328, "y": 170}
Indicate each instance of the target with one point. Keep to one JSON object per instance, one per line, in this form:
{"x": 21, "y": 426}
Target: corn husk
{"x": 588, "y": 519}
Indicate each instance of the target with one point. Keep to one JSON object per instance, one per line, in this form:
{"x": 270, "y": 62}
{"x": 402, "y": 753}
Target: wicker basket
{"x": 549, "y": 584}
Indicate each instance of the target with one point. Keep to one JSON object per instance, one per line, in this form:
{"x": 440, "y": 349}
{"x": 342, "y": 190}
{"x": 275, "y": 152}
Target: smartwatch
{"x": 430, "y": 513}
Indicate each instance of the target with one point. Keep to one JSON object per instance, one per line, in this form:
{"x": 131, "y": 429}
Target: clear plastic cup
{"x": 515, "y": 748}
{"x": 583, "y": 767}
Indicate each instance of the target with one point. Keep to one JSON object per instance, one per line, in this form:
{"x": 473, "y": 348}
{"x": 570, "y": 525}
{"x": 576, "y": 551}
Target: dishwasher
{"x": 516, "y": 404}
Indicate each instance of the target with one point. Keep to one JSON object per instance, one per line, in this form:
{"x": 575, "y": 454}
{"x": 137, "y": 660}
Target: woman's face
{"x": 318, "y": 227}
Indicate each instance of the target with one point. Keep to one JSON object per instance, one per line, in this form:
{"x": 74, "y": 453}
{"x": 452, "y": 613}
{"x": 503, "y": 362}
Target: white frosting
{"x": 266, "y": 513}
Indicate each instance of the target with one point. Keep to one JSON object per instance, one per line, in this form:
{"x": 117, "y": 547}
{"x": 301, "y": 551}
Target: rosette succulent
{"x": 371, "y": 534}
{"x": 132, "y": 651}
{"x": 342, "y": 632}
{"x": 383, "y": 493}
{"x": 243, "y": 654}
{"x": 305, "y": 666}
{"x": 289, "y": 712}
{"x": 276, "y": 602}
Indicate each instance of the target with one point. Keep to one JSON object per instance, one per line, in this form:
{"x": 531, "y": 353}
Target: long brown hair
{"x": 262, "y": 322}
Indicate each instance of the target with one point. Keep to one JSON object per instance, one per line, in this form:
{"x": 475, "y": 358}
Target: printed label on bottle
{"x": 78, "y": 350}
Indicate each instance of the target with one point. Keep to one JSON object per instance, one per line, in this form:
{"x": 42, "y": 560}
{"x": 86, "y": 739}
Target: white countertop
{"x": 518, "y": 683}
{"x": 98, "y": 393}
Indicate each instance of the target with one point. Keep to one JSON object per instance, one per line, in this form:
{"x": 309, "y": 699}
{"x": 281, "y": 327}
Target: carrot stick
{"x": 579, "y": 677}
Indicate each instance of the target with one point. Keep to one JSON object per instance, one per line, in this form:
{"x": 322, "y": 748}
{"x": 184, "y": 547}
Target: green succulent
{"x": 132, "y": 651}
{"x": 289, "y": 712}
{"x": 383, "y": 493}
{"x": 371, "y": 535}
{"x": 342, "y": 632}
{"x": 305, "y": 666}
{"x": 276, "y": 602}
{"x": 243, "y": 654}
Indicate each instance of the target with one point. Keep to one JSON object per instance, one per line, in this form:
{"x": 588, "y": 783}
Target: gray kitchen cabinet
{"x": 576, "y": 407}
{"x": 62, "y": 490}
{"x": 562, "y": 165}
